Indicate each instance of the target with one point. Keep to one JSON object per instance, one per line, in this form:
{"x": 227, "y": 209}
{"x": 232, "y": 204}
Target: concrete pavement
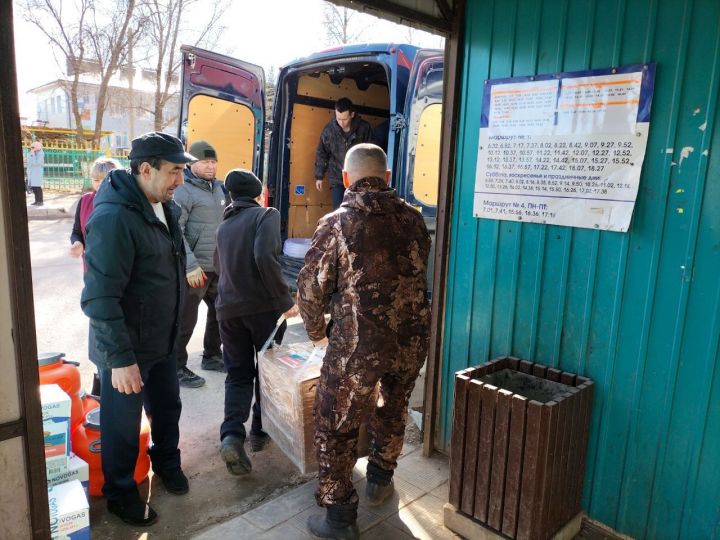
{"x": 57, "y": 205}
{"x": 415, "y": 511}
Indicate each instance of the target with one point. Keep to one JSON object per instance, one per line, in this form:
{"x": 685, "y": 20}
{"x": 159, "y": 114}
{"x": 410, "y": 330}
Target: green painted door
{"x": 639, "y": 312}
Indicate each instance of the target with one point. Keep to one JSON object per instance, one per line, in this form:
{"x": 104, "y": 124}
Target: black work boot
{"x": 380, "y": 486}
{"x": 213, "y": 363}
{"x": 174, "y": 480}
{"x": 339, "y": 523}
{"x": 379, "y": 493}
{"x": 133, "y": 510}
{"x": 189, "y": 379}
{"x": 258, "y": 440}
{"x": 232, "y": 452}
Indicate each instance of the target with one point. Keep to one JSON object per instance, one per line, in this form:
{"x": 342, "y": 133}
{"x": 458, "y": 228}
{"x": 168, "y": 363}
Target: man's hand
{"x": 292, "y": 312}
{"x": 196, "y": 278}
{"x": 127, "y": 380}
{"x": 319, "y": 184}
{"x": 76, "y": 250}
{"x": 322, "y": 344}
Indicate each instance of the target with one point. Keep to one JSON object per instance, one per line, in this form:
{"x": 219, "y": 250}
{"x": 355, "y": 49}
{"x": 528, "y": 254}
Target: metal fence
{"x": 68, "y": 169}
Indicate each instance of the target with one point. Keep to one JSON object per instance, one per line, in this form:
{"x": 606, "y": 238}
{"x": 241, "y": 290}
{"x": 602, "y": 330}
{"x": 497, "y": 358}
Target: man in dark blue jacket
{"x": 134, "y": 284}
{"x": 252, "y": 295}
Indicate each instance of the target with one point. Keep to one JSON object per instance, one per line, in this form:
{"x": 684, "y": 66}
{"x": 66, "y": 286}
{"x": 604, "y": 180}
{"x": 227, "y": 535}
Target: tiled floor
{"x": 415, "y": 511}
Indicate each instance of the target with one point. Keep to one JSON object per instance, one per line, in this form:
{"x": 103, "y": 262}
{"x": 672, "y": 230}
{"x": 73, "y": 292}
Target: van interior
{"x": 310, "y": 103}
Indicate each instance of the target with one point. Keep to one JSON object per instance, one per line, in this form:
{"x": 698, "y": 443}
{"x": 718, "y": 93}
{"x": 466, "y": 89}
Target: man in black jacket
{"x": 134, "y": 283}
{"x": 337, "y": 137}
{"x": 252, "y": 295}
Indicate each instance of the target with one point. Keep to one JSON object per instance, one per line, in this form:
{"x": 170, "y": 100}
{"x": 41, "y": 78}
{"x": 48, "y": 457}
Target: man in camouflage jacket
{"x": 341, "y": 133}
{"x": 368, "y": 264}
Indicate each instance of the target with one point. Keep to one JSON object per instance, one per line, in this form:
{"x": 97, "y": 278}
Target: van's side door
{"x": 420, "y": 147}
{"x": 418, "y": 182}
{"x": 223, "y": 102}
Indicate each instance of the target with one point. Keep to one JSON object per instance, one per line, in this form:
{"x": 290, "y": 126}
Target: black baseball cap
{"x": 159, "y": 145}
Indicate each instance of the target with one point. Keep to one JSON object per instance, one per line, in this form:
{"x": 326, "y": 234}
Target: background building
{"x": 128, "y": 113}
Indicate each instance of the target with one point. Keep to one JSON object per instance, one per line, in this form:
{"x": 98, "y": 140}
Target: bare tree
{"x": 339, "y": 29}
{"x": 110, "y": 40}
{"x": 66, "y": 30}
{"x": 91, "y": 38}
{"x": 164, "y": 29}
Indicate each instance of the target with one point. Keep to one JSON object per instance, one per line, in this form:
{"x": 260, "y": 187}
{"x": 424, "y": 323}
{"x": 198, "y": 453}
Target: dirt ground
{"x": 215, "y": 495}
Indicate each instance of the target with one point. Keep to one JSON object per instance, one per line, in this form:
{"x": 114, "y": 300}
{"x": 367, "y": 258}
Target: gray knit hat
{"x": 202, "y": 150}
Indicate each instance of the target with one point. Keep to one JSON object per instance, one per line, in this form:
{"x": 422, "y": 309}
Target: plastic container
{"x": 296, "y": 247}
{"x": 54, "y": 369}
{"x": 86, "y": 443}
{"x": 89, "y": 402}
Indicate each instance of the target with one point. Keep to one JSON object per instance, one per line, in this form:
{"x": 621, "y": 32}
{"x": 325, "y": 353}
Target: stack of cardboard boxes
{"x": 67, "y": 474}
{"x": 289, "y": 376}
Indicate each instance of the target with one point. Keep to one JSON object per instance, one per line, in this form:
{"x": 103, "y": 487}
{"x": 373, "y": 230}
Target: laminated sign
{"x": 565, "y": 148}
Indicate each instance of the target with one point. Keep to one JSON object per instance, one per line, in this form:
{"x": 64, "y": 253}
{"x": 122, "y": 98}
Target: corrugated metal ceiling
{"x": 431, "y": 15}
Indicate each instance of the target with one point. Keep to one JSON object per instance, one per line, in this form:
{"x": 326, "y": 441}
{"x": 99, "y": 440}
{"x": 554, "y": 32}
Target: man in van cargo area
{"x": 337, "y": 137}
{"x": 368, "y": 264}
{"x": 134, "y": 284}
{"x": 252, "y": 295}
{"x": 202, "y": 200}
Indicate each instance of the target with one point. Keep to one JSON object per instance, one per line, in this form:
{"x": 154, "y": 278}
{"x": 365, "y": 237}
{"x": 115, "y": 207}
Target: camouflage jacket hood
{"x": 368, "y": 263}
{"x": 372, "y": 195}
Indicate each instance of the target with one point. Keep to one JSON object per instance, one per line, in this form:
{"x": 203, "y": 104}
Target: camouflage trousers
{"x": 343, "y": 401}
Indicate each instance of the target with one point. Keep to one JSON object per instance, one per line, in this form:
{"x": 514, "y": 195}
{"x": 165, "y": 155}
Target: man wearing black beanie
{"x": 252, "y": 295}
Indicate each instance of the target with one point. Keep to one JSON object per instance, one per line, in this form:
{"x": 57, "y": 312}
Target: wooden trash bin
{"x": 519, "y": 440}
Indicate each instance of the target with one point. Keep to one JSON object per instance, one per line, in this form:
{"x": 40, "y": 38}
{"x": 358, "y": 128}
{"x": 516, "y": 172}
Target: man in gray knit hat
{"x": 202, "y": 199}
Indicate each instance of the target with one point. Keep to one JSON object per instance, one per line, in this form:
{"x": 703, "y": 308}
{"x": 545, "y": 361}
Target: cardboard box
{"x": 76, "y": 469}
{"x": 56, "y": 428}
{"x": 288, "y": 380}
{"x": 69, "y": 511}
{"x": 55, "y": 402}
{"x": 55, "y": 466}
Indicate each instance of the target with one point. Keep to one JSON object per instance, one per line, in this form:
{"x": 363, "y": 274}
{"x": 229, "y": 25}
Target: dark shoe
{"x": 213, "y": 363}
{"x": 188, "y": 379}
{"x": 232, "y": 451}
{"x": 339, "y": 523}
{"x": 174, "y": 480}
{"x": 132, "y": 510}
{"x": 258, "y": 440}
{"x": 378, "y": 493}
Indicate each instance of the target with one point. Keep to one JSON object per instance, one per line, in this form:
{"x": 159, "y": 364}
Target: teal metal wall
{"x": 640, "y": 312}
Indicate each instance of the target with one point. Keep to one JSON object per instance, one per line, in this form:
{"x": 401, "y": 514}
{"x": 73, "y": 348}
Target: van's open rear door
{"x": 223, "y": 102}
